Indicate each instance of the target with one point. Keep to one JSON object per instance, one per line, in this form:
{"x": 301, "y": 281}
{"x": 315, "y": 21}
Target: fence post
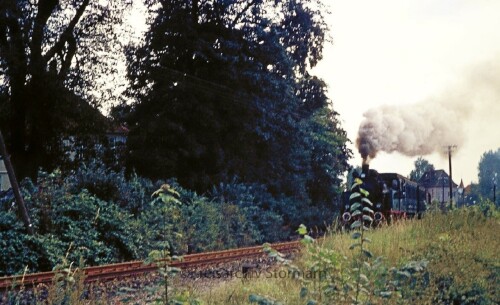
{"x": 15, "y": 187}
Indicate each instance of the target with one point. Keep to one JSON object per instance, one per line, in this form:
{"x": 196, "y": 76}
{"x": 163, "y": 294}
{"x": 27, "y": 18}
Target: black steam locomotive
{"x": 392, "y": 195}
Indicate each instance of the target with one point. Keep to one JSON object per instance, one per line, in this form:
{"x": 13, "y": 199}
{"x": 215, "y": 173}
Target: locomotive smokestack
{"x": 365, "y": 168}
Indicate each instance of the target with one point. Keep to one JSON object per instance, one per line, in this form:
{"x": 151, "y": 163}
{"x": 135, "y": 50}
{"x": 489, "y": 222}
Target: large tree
{"x": 489, "y": 172}
{"x": 421, "y": 166}
{"x": 223, "y": 90}
{"x": 51, "y": 52}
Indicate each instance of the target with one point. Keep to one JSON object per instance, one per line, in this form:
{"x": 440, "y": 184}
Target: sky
{"x": 436, "y": 59}
{"x": 404, "y": 56}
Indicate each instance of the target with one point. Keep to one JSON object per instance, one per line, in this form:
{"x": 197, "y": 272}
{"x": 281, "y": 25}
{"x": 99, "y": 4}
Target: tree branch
{"x": 243, "y": 11}
{"x": 66, "y": 63}
{"x": 12, "y": 50}
{"x": 67, "y": 34}
{"x": 45, "y": 9}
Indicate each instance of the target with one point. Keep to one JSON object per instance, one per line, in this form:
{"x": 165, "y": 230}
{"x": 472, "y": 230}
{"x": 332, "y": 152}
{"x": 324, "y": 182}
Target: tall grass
{"x": 460, "y": 246}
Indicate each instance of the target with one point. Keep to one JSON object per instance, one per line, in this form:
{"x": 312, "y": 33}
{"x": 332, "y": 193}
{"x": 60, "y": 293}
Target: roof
{"x": 388, "y": 177}
{"x": 118, "y": 129}
{"x": 435, "y": 178}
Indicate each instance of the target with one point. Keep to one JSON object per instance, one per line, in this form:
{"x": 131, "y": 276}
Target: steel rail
{"x": 134, "y": 268}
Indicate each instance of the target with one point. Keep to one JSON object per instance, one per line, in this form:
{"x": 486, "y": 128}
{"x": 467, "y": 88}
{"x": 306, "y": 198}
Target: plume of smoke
{"x": 412, "y": 130}
{"x": 425, "y": 127}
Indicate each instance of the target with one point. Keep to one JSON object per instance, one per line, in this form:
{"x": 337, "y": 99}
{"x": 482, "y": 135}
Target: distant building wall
{"x": 4, "y": 177}
{"x": 443, "y": 194}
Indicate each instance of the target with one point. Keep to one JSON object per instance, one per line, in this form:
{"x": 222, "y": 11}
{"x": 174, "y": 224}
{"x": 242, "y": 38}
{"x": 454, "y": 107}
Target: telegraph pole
{"x": 450, "y": 148}
{"x": 495, "y": 189}
{"x": 15, "y": 187}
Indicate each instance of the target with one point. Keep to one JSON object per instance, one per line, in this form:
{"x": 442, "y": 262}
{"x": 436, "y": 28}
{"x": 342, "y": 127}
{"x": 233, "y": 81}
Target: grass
{"x": 461, "y": 248}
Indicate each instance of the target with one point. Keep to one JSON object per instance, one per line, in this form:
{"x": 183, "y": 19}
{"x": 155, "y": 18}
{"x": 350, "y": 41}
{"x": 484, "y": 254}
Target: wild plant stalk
{"x": 164, "y": 258}
{"x": 168, "y": 196}
{"x": 361, "y": 208}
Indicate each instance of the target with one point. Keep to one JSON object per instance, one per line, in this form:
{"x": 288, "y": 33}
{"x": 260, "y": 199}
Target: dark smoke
{"x": 426, "y": 127}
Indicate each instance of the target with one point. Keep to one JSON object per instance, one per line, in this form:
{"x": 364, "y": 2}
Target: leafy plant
{"x": 162, "y": 258}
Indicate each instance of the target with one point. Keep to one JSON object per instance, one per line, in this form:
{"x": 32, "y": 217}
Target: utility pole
{"x": 495, "y": 189}
{"x": 450, "y": 148}
{"x": 15, "y": 187}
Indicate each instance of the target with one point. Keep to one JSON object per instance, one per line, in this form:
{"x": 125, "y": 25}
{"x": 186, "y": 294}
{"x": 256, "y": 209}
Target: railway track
{"x": 136, "y": 268}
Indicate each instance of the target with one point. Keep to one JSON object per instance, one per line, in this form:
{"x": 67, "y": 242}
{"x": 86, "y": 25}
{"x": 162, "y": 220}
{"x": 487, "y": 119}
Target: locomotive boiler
{"x": 393, "y": 196}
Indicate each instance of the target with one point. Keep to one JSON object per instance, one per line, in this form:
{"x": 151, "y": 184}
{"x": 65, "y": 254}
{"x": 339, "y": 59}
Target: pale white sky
{"x": 404, "y": 51}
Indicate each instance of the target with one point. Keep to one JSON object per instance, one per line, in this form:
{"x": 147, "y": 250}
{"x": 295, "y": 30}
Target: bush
{"x": 197, "y": 224}
{"x": 79, "y": 224}
{"x": 102, "y": 216}
{"x": 264, "y": 211}
{"x": 15, "y": 255}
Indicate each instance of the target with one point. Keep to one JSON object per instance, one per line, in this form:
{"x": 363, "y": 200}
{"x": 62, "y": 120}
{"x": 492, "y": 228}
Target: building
{"x": 117, "y": 136}
{"x": 114, "y": 140}
{"x": 4, "y": 177}
{"x": 436, "y": 184}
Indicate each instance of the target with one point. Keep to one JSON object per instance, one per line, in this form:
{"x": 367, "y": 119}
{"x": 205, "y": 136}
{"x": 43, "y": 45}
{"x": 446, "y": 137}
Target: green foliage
{"x": 363, "y": 280}
{"x": 421, "y": 166}
{"x": 223, "y": 91}
{"x": 328, "y": 157}
{"x": 327, "y": 277}
{"x": 97, "y": 230}
{"x": 132, "y": 194}
{"x": 15, "y": 254}
{"x": 66, "y": 218}
{"x": 261, "y": 300}
{"x": 46, "y": 95}
{"x": 98, "y": 180}
{"x": 443, "y": 258}
{"x": 489, "y": 172}
{"x": 100, "y": 215}
{"x": 106, "y": 218}
{"x": 265, "y": 214}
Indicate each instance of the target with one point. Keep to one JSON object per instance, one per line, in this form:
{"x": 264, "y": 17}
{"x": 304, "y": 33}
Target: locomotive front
{"x": 378, "y": 194}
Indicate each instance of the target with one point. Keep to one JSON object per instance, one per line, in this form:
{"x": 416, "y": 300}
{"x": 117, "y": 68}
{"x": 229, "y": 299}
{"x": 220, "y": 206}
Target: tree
{"x": 421, "y": 166}
{"x": 489, "y": 172}
{"x": 222, "y": 90}
{"x": 51, "y": 52}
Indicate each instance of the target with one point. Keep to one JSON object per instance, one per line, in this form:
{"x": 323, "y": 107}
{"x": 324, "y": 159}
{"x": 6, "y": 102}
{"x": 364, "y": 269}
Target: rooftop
{"x": 435, "y": 178}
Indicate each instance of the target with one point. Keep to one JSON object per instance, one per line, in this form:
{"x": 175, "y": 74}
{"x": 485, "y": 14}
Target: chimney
{"x": 364, "y": 170}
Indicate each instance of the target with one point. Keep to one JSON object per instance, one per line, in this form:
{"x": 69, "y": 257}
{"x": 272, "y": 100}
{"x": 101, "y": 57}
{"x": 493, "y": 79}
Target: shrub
{"x": 261, "y": 209}
{"x": 15, "y": 254}
{"x": 100, "y": 215}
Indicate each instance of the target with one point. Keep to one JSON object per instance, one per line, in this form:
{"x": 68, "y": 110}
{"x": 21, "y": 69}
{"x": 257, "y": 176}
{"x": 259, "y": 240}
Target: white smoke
{"x": 425, "y": 127}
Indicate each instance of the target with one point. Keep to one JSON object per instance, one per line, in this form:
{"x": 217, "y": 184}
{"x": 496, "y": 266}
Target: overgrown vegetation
{"x": 446, "y": 258}
{"x": 101, "y": 216}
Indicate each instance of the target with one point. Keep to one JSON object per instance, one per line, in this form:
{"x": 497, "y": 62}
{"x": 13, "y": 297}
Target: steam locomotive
{"x": 393, "y": 196}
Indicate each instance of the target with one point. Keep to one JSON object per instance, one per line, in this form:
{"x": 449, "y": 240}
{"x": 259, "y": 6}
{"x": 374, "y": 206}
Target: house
{"x": 114, "y": 139}
{"x": 436, "y": 184}
{"x": 4, "y": 177}
{"x": 117, "y": 136}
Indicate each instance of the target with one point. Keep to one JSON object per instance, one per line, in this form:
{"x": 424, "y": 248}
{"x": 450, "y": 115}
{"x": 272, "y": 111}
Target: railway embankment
{"x": 444, "y": 258}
